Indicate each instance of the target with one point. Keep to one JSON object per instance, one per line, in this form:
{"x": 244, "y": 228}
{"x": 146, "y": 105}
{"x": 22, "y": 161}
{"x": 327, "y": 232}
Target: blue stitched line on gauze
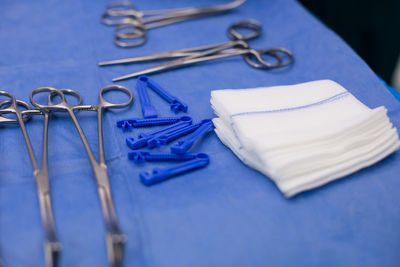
{"x": 330, "y": 99}
{"x": 327, "y": 100}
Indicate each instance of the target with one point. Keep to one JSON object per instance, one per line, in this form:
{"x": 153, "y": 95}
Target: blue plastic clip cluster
{"x": 167, "y": 137}
{"x": 163, "y": 136}
{"x": 128, "y": 124}
{"x": 176, "y": 128}
{"x": 148, "y": 109}
{"x": 143, "y": 138}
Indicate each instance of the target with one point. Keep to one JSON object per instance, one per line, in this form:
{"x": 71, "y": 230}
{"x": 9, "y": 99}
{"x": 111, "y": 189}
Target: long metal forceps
{"x": 133, "y": 24}
{"x": 115, "y": 239}
{"x": 253, "y": 26}
{"x": 238, "y": 46}
{"x": 52, "y": 246}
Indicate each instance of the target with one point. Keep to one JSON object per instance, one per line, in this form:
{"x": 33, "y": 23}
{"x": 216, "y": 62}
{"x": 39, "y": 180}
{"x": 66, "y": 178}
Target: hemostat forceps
{"x": 238, "y": 46}
{"x": 133, "y": 24}
{"x": 114, "y": 237}
{"x": 52, "y": 246}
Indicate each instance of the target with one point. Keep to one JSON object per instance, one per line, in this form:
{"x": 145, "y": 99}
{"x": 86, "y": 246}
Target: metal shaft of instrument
{"x": 187, "y": 60}
{"x": 132, "y": 30}
{"x": 161, "y": 55}
{"x": 151, "y": 22}
{"x": 187, "y": 14}
{"x": 147, "y": 25}
{"x": 131, "y": 34}
{"x": 157, "y": 15}
{"x": 52, "y": 246}
{"x": 114, "y": 238}
{"x": 199, "y": 10}
{"x": 136, "y": 17}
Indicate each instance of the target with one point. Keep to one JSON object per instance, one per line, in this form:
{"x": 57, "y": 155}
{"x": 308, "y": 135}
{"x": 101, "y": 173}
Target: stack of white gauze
{"x": 302, "y": 136}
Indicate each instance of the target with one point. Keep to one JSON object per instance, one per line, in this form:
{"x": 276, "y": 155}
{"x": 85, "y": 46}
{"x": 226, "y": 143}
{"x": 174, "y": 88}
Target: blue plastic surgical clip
{"x": 128, "y": 124}
{"x": 176, "y": 104}
{"x": 166, "y": 137}
{"x": 148, "y": 109}
{"x": 159, "y": 175}
{"x": 184, "y": 145}
{"x": 142, "y": 155}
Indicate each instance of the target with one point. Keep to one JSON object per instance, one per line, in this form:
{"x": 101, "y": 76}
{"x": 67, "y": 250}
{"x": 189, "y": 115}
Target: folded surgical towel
{"x": 302, "y": 136}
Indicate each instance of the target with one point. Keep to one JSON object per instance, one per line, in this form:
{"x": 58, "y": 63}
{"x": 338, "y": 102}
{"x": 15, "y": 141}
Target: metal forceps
{"x": 133, "y": 24}
{"x": 115, "y": 239}
{"x": 52, "y": 246}
{"x": 238, "y": 46}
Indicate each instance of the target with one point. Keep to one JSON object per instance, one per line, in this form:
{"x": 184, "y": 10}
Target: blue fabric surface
{"x": 223, "y": 215}
{"x": 394, "y": 92}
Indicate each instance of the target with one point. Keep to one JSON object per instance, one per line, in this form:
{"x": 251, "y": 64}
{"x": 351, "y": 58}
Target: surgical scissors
{"x": 115, "y": 239}
{"x": 52, "y": 246}
{"x": 133, "y": 24}
{"x": 238, "y": 46}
